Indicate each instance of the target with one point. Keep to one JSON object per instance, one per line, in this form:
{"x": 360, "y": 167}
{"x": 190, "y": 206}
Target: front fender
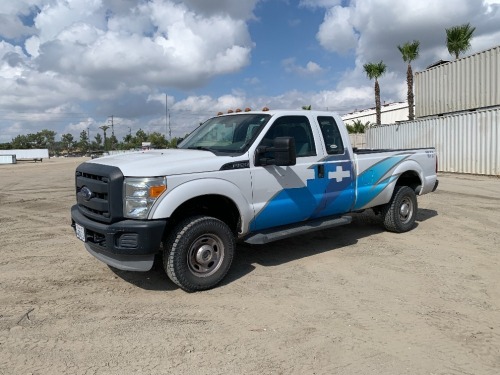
{"x": 169, "y": 202}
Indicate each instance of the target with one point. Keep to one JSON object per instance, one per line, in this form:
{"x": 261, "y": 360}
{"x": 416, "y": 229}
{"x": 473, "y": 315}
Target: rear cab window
{"x": 331, "y": 135}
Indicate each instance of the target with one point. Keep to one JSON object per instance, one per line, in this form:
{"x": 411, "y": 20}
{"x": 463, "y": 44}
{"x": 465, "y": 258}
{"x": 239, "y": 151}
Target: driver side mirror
{"x": 284, "y": 153}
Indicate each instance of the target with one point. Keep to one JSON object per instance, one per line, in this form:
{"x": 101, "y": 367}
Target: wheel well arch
{"x": 214, "y": 205}
{"x": 410, "y": 179}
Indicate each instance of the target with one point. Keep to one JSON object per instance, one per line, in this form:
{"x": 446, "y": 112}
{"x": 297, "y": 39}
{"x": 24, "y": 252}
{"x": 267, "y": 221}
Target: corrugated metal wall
{"x": 358, "y": 140}
{"x": 465, "y": 143}
{"x": 468, "y": 83}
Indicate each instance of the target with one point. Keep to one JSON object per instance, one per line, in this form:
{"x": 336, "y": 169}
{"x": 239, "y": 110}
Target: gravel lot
{"x": 350, "y": 300}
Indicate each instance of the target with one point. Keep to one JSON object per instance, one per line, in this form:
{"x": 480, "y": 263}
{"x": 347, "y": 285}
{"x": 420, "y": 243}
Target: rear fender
{"x": 382, "y": 189}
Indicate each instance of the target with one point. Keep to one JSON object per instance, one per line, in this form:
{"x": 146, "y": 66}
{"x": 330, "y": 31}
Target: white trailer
{"x": 7, "y": 159}
{"x": 36, "y": 154}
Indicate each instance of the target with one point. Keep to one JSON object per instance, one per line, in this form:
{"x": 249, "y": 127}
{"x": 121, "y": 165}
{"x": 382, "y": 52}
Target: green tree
{"x": 140, "y": 136}
{"x": 21, "y": 142}
{"x": 458, "y": 39}
{"x": 111, "y": 142}
{"x": 46, "y": 138}
{"x": 6, "y": 146}
{"x": 84, "y": 143}
{"x": 68, "y": 142}
{"x": 409, "y": 51}
{"x": 158, "y": 140}
{"x": 97, "y": 141}
{"x": 307, "y": 107}
{"x": 375, "y": 71}
{"x": 174, "y": 141}
{"x": 357, "y": 126}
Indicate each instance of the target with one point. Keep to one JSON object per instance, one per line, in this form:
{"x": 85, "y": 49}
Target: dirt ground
{"x": 350, "y": 300}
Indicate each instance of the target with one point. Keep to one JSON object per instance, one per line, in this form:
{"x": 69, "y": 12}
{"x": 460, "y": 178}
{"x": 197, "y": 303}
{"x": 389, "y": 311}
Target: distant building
{"x": 390, "y": 114}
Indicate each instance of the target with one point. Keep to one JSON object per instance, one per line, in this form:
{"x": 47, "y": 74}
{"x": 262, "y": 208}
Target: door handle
{"x": 321, "y": 171}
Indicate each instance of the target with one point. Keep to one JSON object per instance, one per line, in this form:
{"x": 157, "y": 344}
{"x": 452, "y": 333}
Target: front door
{"x": 316, "y": 186}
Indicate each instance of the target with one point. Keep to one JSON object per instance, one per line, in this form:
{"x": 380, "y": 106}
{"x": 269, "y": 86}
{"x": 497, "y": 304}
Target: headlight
{"x": 141, "y": 194}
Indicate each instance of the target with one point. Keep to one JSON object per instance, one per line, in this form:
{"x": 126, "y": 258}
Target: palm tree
{"x": 458, "y": 39}
{"x": 410, "y": 53}
{"x": 104, "y": 128}
{"x": 375, "y": 71}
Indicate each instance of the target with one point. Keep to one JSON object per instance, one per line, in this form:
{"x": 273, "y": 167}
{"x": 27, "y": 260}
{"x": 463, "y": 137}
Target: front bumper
{"x": 128, "y": 244}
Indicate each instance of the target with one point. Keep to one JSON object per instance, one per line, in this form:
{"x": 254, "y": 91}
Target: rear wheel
{"x": 198, "y": 253}
{"x": 400, "y": 213}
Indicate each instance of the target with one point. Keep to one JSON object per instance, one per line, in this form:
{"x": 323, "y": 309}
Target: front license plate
{"x": 80, "y": 232}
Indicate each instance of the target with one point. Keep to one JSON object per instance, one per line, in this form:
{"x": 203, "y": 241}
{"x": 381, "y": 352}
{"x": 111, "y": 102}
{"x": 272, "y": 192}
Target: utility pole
{"x": 112, "y": 125}
{"x": 112, "y": 132}
{"x": 166, "y": 115}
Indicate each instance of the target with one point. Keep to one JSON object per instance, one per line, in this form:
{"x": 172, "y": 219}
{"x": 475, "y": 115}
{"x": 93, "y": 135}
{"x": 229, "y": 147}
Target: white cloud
{"x": 13, "y": 28}
{"x": 319, "y": 3}
{"x": 235, "y": 9}
{"x": 374, "y": 29}
{"x": 336, "y": 33}
{"x": 310, "y": 69}
{"x": 156, "y": 42}
{"x": 118, "y": 56}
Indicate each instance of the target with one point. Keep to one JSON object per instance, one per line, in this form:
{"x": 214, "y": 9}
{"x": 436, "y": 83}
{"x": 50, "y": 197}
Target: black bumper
{"x": 435, "y": 185}
{"x": 126, "y": 237}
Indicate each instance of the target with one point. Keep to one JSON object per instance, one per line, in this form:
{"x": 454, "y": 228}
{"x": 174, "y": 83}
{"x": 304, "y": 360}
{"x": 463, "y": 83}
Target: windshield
{"x": 227, "y": 134}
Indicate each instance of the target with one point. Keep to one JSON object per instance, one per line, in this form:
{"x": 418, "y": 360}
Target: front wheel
{"x": 198, "y": 253}
{"x": 400, "y": 213}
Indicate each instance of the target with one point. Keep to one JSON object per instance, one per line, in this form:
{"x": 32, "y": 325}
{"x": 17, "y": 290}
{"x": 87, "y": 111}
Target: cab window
{"x": 297, "y": 127}
{"x": 331, "y": 135}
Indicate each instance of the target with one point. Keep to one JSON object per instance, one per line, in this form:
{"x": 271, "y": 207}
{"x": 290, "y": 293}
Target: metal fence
{"x": 465, "y": 143}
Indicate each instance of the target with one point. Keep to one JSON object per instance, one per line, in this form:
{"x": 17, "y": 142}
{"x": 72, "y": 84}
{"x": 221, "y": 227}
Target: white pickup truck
{"x": 256, "y": 176}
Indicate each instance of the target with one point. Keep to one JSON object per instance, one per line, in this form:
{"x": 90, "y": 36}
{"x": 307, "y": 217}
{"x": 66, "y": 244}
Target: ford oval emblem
{"x": 86, "y": 193}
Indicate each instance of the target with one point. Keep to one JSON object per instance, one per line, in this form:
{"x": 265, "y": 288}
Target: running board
{"x": 274, "y": 234}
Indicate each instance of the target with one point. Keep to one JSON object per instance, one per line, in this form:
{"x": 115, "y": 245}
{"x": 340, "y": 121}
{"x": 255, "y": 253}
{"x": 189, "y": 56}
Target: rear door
{"x": 339, "y": 171}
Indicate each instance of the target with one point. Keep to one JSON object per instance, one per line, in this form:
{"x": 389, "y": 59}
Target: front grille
{"x": 99, "y": 192}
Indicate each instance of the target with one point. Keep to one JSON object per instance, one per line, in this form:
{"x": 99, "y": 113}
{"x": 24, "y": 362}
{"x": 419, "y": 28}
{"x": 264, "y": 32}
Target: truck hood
{"x": 166, "y": 162}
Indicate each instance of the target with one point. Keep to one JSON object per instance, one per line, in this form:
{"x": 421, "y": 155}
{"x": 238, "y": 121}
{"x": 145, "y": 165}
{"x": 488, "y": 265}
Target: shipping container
{"x": 472, "y": 82}
{"x": 468, "y": 142}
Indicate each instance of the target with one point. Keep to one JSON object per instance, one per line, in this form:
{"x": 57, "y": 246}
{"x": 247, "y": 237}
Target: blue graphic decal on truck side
{"x": 375, "y": 179}
{"x": 330, "y": 195}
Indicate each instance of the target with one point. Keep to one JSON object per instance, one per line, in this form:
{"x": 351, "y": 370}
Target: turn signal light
{"x": 156, "y": 191}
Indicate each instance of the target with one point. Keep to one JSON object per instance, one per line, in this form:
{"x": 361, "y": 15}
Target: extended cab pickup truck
{"x": 255, "y": 176}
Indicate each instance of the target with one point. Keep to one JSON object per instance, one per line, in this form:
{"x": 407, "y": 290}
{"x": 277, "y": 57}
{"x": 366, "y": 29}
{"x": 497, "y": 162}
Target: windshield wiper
{"x": 202, "y": 148}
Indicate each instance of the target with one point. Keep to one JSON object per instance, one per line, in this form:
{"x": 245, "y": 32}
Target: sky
{"x": 167, "y": 65}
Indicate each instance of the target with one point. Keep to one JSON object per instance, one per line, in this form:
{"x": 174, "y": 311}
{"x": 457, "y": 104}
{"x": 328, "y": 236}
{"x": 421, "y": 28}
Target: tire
{"x": 400, "y": 213}
{"x": 198, "y": 253}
